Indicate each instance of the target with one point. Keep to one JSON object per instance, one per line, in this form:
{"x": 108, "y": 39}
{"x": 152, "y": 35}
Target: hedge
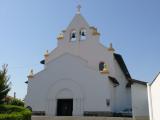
{"x": 10, "y": 112}
{"x": 16, "y": 102}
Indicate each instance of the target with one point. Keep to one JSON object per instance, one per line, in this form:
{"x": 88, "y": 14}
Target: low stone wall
{"x": 78, "y": 118}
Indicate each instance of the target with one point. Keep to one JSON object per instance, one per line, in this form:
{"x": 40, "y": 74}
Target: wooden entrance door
{"x": 64, "y": 107}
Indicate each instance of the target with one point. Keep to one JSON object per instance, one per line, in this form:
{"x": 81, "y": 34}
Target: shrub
{"x": 16, "y": 102}
{"x": 10, "y": 112}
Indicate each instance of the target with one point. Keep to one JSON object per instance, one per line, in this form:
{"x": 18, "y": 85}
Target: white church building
{"x": 82, "y": 77}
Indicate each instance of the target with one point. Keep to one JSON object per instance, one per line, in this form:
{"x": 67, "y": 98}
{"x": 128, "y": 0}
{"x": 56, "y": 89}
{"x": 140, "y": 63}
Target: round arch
{"x": 65, "y": 89}
{"x": 62, "y": 85}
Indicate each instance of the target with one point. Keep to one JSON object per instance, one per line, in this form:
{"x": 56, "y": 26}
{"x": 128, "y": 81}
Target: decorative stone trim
{"x": 94, "y": 31}
{"x": 60, "y": 36}
{"x": 105, "y": 71}
{"x": 31, "y": 74}
{"x": 46, "y": 55}
{"x": 111, "y": 48}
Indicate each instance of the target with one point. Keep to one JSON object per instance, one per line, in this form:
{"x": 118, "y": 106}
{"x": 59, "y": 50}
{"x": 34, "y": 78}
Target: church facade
{"x": 81, "y": 76}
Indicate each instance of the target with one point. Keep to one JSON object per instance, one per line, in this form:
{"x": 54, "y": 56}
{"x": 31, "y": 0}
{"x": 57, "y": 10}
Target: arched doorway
{"x": 64, "y": 107}
{"x": 64, "y": 100}
{"x": 65, "y": 95}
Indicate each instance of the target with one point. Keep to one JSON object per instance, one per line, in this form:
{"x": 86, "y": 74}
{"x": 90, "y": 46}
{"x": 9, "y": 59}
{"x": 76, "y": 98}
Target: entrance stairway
{"x": 84, "y": 118}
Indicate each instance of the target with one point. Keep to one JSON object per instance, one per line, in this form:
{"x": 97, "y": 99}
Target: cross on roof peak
{"x": 79, "y": 9}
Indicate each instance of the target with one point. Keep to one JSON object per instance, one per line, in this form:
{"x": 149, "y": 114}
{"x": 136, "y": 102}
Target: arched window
{"x": 73, "y": 36}
{"x": 83, "y": 33}
{"x": 103, "y": 68}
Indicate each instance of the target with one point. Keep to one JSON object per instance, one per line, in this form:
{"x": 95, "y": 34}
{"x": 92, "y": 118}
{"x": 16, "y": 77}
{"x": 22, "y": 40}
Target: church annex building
{"x": 81, "y": 77}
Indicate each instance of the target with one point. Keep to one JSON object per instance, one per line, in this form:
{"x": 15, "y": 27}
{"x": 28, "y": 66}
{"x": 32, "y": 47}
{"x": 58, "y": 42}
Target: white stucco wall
{"x": 91, "y": 85}
{"x": 154, "y": 98}
{"x": 94, "y": 52}
{"x": 122, "y": 93}
{"x": 139, "y": 100}
{"x": 72, "y": 71}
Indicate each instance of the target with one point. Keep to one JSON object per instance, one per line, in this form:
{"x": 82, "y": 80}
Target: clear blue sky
{"x": 29, "y": 27}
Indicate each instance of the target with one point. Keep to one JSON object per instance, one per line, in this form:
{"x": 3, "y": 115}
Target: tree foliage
{"x": 4, "y": 84}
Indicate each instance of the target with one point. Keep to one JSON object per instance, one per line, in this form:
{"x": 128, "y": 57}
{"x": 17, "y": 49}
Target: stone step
{"x": 78, "y": 118}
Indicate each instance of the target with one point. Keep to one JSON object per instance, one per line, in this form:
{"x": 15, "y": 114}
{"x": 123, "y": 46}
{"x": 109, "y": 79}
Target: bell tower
{"x": 78, "y": 30}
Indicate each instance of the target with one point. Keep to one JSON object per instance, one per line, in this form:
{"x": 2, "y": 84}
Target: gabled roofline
{"x": 42, "y": 62}
{"x": 139, "y": 82}
{"x": 78, "y": 15}
{"x": 26, "y": 82}
{"x": 122, "y": 65}
{"x": 155, "y": 79}
{"x": 124, "y": 69}
{"x": 114, "y": 81}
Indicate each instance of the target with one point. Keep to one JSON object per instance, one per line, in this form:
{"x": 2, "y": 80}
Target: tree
{"x": 4, "y": 84}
